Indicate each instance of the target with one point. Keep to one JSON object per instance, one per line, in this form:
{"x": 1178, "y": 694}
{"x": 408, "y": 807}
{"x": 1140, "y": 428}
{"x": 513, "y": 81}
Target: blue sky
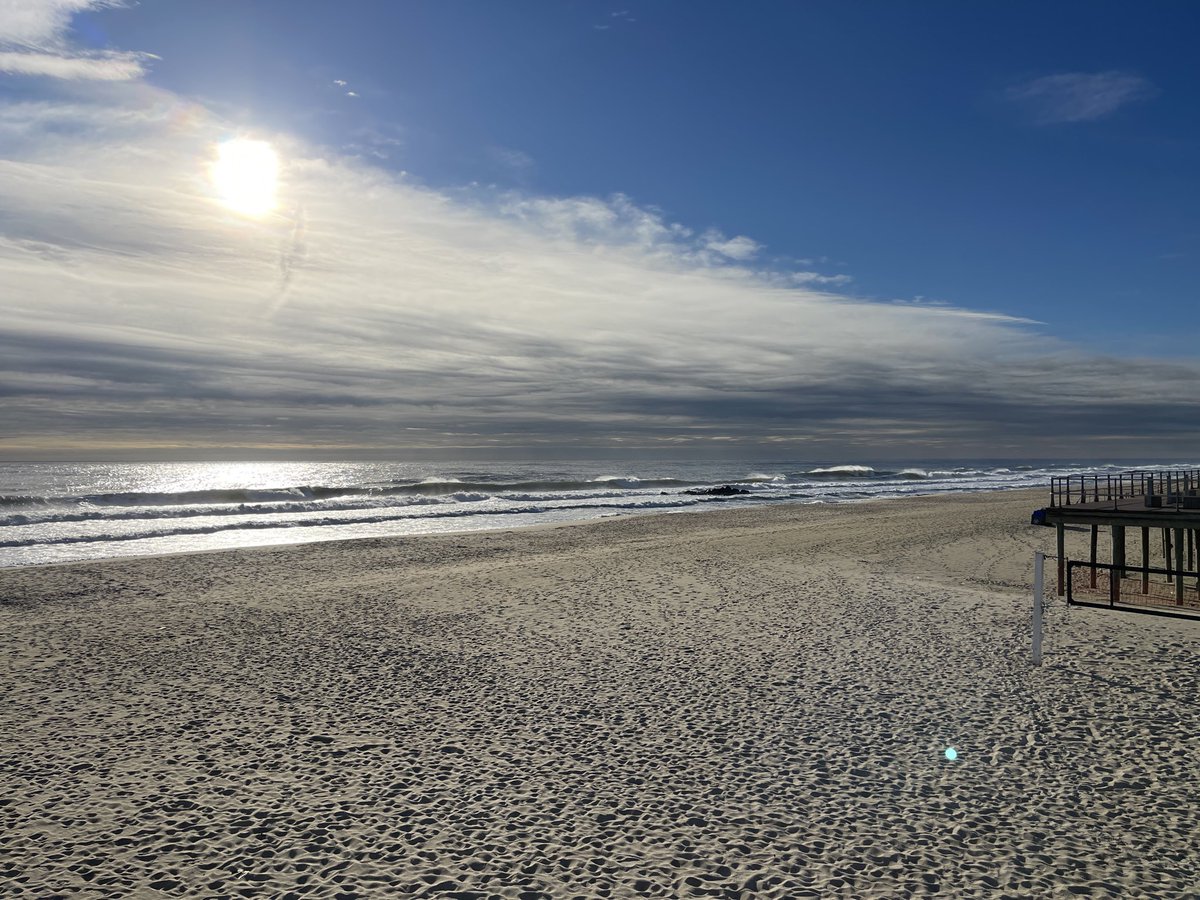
{"x": 891, "y": 139}
{"x": 918, "y": 228}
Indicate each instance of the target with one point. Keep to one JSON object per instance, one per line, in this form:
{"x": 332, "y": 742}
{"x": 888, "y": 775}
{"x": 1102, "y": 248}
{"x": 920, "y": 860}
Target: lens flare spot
{"x": 244, "y": 174}
{"x": 951, "y": 754}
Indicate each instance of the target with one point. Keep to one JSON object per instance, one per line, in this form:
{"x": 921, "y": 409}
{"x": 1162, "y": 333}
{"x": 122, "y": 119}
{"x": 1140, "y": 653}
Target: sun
{"x": 245, "y": 173}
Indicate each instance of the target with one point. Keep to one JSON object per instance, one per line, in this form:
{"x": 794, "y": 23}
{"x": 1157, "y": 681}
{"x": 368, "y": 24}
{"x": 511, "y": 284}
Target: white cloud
{"x": 367, "y": 310}
{"x": 739, "y": 248}
{"x": 1079, "y": 96}
{"x": 97, "y": 67}
{"x": 33, "y": 42}
{"x": 40, "y": 23}
{"x": 808, "y": 278}
{"x": 516, "y": 161}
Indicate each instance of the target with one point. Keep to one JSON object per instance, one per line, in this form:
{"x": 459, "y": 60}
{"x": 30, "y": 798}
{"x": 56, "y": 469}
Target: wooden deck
{"x": 1167, "y": 501}
{"x": 1131, "y": 511}
{"x": 1120, "y": 499}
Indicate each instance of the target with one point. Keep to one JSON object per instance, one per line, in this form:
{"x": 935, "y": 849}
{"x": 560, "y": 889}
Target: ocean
{"x": 64, "y": 512}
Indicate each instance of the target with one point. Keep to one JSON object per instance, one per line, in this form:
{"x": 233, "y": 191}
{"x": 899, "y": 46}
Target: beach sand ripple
{"x": 752, "y": 703}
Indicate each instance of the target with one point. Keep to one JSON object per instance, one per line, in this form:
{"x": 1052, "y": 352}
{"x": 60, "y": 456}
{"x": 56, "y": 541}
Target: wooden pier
{"x": 1166, "y": 503}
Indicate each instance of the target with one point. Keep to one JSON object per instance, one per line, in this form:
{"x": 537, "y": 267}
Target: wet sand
{"x": 750, "y": 703}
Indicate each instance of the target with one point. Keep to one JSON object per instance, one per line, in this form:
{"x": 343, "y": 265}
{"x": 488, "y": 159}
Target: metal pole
{"x": 1038, "y": 567}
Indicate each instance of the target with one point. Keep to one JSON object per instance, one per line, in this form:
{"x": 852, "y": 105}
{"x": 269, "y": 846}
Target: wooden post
{"x": 1196, "y": 539}
{"x": 1062, "y": 557}
{"x": 1145, "y": 559}
{"x": 1179, "y": 567}
{"x": 1118, "y": 549}
{"x": 1038, "y": 566}
{"x": 1095, "y": 537}
{"x": 1167, "y": 553}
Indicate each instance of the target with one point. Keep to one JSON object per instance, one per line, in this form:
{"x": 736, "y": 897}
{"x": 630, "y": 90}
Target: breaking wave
{"x": 105, "y": 510}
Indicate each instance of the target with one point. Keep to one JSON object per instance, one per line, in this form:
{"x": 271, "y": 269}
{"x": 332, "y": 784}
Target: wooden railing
{"x": 1068, "y": 490}
{"x": 1161, "y": 591}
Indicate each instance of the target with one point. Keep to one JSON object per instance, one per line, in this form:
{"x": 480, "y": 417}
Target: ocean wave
{"x": 18, "y": 501}
{"x": 85, "y": 510}
{"x": 426, "y": 488}
{"x": 847, "y": 471}
{"x": 205, "y": 496}
{"x": 125, "y": 514}
{"x": 675, "y": 501}
{"x": 507, "y": 487}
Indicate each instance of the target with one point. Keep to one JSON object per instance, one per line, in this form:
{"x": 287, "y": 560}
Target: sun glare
{"x": 244, "y": 174}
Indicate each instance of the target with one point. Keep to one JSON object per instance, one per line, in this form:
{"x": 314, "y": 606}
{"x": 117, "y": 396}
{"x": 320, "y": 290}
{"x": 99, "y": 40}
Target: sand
{"x": 750, "y": 703}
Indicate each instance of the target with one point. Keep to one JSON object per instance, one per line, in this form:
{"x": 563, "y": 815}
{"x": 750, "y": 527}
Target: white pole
{"x": 1039, "y": 560}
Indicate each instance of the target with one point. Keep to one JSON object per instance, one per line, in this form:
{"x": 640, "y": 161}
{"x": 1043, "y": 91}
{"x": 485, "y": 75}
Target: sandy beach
{"x": 750, "y": 703}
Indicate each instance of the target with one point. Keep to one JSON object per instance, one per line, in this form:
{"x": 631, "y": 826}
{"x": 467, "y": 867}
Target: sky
{"x": 810, "y": 230}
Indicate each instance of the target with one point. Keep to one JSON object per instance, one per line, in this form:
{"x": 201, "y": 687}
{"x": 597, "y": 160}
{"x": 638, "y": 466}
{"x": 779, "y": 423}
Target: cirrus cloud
{"x": 1079, "y": 96}
{"x": 369, "y": 312}
{"x": 33, "y": 42}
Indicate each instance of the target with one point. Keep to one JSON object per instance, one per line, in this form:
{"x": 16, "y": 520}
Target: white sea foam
{"x": 51, "y": 513}
{"x": 843, "y": 470}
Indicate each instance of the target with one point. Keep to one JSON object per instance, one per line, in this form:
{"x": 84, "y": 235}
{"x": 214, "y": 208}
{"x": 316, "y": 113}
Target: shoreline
{"x": 757, "y": 703}
{"x": 596, "y": 521}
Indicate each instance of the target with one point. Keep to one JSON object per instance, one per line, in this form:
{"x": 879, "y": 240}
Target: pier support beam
{"x": 1145, "y": 559}
{"x": 1196, "y": 540}
{"x": 1095, "y": 537}
{"x": 1179, "y": 567}
{"x": 1061, "y": 543}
